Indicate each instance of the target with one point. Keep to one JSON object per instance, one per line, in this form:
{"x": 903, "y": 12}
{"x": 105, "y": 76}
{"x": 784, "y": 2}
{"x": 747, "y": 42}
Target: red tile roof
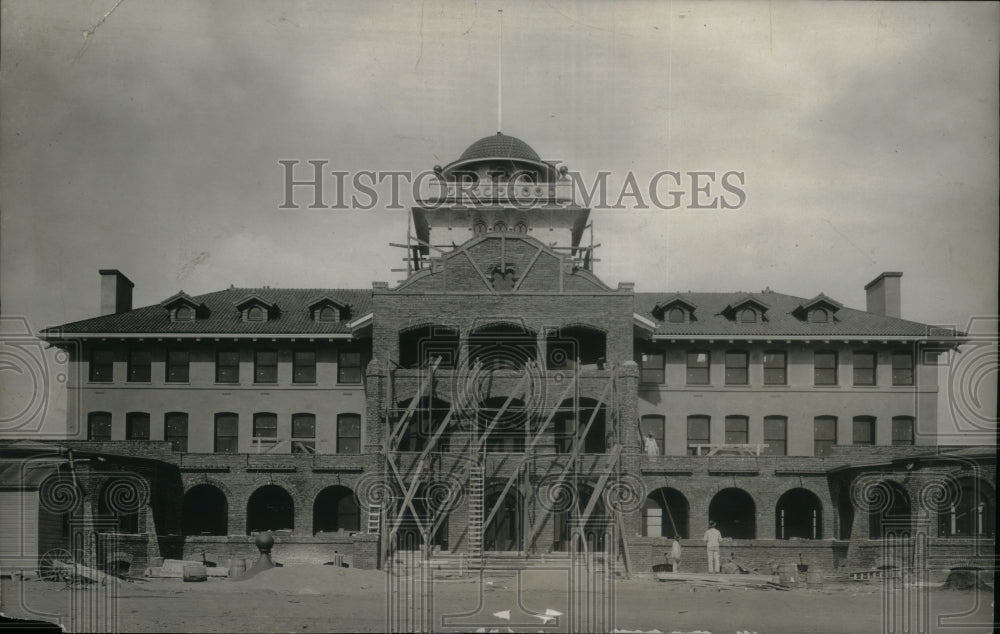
{"x": 222, "y": 315}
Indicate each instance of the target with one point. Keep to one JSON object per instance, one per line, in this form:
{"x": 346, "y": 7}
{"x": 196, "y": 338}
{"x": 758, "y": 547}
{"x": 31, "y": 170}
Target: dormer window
{"x": 255, "y": 308}
{"x": 746, "y": 310}
{"x": 818, "y": 310}
{"x": 675, "y": 310}
{"x": 327, "y": 309}
{"x": 182, "y": 307}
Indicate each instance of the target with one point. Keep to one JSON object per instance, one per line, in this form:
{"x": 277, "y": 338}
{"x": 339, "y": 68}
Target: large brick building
{"x": 503, "y": 397}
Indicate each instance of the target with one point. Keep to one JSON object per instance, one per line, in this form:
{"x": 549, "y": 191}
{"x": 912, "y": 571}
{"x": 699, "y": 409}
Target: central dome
{"x": 499, "y": 146}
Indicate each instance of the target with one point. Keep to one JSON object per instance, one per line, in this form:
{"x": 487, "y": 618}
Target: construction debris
{"x": 766, "y": 582}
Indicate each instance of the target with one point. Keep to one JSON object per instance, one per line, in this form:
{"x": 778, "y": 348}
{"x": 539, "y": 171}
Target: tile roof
{"x": 222, "y": 316}
{"x": 779, "y": 318}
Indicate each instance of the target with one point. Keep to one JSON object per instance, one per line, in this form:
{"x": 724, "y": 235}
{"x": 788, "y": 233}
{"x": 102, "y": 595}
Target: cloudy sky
{"x": 148, "y": 139}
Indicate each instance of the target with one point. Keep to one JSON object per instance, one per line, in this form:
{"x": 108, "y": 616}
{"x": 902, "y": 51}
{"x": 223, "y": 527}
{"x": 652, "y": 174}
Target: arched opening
{"x": 570, "y": 422}
{"x": 972, "y": 514}
{"x": 119, "y": 499}
{"x": 422, "y": 424}
{"x": 665, "y": 514}
{"x": 270, "y": 508}
{"x": 205, "y": 511}
{"x": 594, "y": 530}
{"x": 503, "y": 533}
{"x": 508, "y": 434}
{"x": 798, "y": 513}
{"x": 503, "y": 347}
{"x": 566, "y": 347}
{"x": 409, "y": 536}
{"x": 336, "y": 509}
{"x": 734, "y": 514}
{"x": 845, "y": 512}
{"x": 419, "y": 345}
{"x": 890, "y": 516}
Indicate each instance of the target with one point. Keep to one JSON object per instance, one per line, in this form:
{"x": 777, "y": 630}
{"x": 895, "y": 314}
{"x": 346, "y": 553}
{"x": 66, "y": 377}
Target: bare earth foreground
{"x": 324, "y": 598}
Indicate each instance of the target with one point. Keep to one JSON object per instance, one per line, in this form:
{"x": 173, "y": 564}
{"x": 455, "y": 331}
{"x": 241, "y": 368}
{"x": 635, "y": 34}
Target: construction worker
{"x": 650, "y": 446}
{"x": 675, "y": 554}
{"x": 712, "y": 539}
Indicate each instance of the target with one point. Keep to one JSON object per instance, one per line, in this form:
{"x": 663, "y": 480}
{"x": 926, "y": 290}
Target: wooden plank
{"x": 717, "y": 578}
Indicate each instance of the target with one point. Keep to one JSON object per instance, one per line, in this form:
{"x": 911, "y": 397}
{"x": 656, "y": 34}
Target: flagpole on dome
{"x": 500, "y": 74}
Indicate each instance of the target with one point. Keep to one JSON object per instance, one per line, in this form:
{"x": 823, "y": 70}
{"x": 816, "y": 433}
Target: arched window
{"x": 566, "y": 346}
{"x": 665, "y": 514}
{"x": 890, "y": 515}
{"x": 419, "y": 346}
{"x": 205, "y": 511}
{"x": 336, "y": 509}
{"x": 503, "y": 347}
{"x": 972, "y": 514}
{"x": 118, "y": 499}
{"x": 184, "y": 313}
{"x": 255, "y": 313}
{"x": 503, "y": 532}
{"x": 735, "y": 514}
{"x": 748, "y": 316}
{"x": 798, "y": 513}
{"x": 819, "y": 316}
{"x": 677, "y": 316}
{"x": 329, "y": 313}
{"x": 270, "y": 508}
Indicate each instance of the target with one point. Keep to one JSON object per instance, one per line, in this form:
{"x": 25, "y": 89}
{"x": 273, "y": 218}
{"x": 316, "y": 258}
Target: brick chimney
{"x": 884, "y": 296}
{"x": 116, "y": 292}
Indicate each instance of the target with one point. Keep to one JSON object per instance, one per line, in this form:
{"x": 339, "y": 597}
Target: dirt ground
{"x": 324, "y": 598}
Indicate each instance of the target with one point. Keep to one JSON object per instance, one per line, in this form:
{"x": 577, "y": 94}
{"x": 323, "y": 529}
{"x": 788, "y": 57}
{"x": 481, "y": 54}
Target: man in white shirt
{"x": 712, "y": 539}
{"x": 651, "y": 448}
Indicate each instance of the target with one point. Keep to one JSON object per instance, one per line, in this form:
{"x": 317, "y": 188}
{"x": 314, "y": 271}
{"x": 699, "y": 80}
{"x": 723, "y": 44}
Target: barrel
{"x": 814, "y": 579}
{"x": 194, "y": 572}
{"x": 237, "y": 567}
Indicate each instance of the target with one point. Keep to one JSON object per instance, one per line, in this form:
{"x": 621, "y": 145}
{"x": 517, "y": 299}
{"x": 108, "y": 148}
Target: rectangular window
{"x": 227, "y": 433}
{"x": 737, "y": 430}
{"x": 178, "y": 366}
{"x": 651, "y": 368}
{"x": 825, "y": 368}
{"x": 175, "y": 430}
{"x": 265, "y": 366}
{"x": 775, "y": 368}
{"x": 776, "y": 435}
{"x": 227, "y": 366}
{"x": 864, "y": 368}
{"x": 902, "y": 431}
{"x": 102, "y": 366}
{"x": 99, "y": 426}
{"x": 303, "y": 433}
{"x": 824, "y": 435}
{"x": 349, "y": 433}
{"x": 652, "y": 426}
{"x": 698, "y": 432}
{"x": 265, "y": 425}
{"x": 139, "y": 362}
{"x": 864, "y": 431}
{"x": 736, "y": 368}
{"x": 304, "y": 366}
{"x": 137, "y": 426}
{"x": 902, "y": 368}
{"x": 348, "y": 366}
{"x": 698, "y": 371}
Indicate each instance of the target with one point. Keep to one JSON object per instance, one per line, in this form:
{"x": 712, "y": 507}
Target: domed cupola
{"x": 497, "y": 158}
